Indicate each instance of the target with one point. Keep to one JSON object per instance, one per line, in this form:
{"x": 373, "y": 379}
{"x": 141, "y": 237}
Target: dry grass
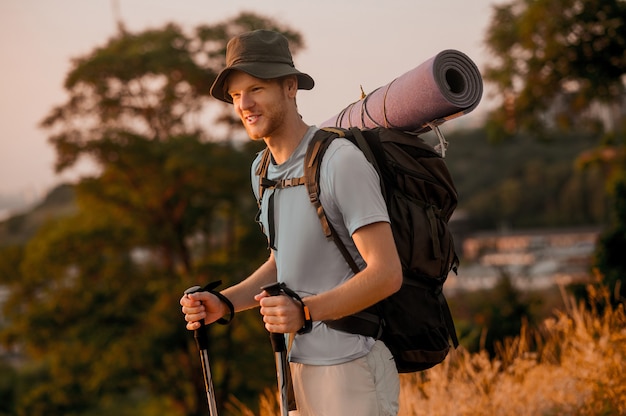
{"x": 575, "y": 367}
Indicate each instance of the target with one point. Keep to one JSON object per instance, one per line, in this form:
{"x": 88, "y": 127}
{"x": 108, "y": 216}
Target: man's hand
{"x": 201, "y": 305}
{"x": 281, "y": 314}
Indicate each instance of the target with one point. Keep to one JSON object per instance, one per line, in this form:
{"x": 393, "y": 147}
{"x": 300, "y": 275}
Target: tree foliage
{"x": 555, "y": 60}
{"x": 561, "y": 65}
{"x": 610, "y": 255}
{"x": 486, "y": 318}
{"x": 93, "y": 301}
{"x": 154, "y": 84}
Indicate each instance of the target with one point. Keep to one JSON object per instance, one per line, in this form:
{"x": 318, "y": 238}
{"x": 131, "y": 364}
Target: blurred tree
{"x": 557, "y": 63}
{"x": 500, "y": 312}
{"x": 561, "y": 65}
{"x": 610, "y": 259}
{"x": 94, "y": 304}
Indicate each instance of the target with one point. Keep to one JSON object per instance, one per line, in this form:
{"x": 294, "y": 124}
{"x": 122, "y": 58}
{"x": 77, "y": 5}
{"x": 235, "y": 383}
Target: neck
{"x": 283, "y": 144}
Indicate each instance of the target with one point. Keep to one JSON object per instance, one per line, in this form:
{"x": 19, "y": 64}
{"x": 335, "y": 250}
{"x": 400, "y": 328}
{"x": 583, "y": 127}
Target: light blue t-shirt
{"x": 306, "y": 261}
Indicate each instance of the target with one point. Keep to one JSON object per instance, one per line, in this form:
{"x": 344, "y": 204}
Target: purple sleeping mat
{"x": 444, "y": 87}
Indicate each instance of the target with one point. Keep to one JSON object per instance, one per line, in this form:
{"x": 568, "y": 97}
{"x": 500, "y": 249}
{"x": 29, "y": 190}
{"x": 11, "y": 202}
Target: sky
{"x": 348, "y": 44}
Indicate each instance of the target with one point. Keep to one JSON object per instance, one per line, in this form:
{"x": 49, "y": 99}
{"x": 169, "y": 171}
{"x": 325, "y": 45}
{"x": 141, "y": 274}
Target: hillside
{"x": 19, "y": 228}
{"x": 524, "y": 182}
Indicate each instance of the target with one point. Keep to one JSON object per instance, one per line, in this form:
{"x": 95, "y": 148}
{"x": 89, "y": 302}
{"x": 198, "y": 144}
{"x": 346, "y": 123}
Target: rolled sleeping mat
{"x": 444, "y": 87}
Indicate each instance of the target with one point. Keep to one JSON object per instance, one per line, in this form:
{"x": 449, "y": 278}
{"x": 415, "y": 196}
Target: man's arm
{"x": 204, "y": 305}
{"x": 381, "y": 278}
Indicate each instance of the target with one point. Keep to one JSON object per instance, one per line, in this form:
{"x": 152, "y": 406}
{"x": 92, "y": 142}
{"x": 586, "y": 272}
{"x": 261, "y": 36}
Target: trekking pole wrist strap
{"x": 308, "y": 322}
{"x": 211, "y": 289}
{"x": 306, "y": 314}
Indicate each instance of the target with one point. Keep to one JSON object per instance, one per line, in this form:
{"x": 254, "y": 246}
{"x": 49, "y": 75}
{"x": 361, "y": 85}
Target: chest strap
{"x": 265, "y": 183}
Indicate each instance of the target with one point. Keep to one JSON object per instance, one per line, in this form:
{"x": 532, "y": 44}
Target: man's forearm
{"x": 363, "y": 290}
{"x": 242, "y": 294}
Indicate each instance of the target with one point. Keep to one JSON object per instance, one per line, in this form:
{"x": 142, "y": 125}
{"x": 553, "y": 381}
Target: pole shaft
{"x": 280, "y": 354}
{"x": 281, "y": 374}
{"x": 208, "y": 382}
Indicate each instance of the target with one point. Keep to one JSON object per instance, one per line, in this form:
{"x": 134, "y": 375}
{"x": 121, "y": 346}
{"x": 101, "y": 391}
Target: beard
{"x": 272, "y": 119}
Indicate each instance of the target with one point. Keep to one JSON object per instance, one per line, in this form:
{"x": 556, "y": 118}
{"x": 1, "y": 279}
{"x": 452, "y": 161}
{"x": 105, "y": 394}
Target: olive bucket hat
{"x": 261, "y": 53}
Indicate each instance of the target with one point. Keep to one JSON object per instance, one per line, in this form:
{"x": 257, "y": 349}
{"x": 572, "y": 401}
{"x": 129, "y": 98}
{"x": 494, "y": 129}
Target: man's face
{"x": 260, "y": 104}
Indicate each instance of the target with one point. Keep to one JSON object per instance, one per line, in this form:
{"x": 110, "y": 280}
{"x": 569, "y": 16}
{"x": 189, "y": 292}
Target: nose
{"x": 245, "y": 101}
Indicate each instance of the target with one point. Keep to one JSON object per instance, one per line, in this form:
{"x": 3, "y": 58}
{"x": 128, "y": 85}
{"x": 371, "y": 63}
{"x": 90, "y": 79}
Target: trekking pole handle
{"x": 200, "y": 334}
{"x": 278, "y": 339}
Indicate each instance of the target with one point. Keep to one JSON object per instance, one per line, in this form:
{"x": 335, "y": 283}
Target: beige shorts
{"x": 367, "y": 386}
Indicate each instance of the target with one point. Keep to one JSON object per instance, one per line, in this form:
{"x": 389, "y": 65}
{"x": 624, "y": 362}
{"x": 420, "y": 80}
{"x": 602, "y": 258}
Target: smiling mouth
{"x": 251, "y": 119}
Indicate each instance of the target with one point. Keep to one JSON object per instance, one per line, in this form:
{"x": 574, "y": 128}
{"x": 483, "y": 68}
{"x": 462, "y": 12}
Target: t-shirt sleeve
{"x": 353, "y": 185}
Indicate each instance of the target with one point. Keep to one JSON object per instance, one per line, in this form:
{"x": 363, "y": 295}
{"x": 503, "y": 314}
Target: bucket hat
{"x": 261, "y": 53}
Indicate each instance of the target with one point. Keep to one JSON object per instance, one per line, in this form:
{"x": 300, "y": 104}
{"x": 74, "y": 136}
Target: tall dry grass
{"x": 574, "y": 364}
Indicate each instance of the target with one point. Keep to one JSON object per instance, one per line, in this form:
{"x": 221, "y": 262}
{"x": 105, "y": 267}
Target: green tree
{"x": 94, "y": 302}
{"x": 561, "y": 65}
{"x": 610, "y": 259}
{"x": 496, "y": 314}
{"x": 554, "y": 61}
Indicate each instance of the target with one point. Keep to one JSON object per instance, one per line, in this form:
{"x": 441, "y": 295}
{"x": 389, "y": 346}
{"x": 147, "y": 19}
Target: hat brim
{"x": 267, "y": 71}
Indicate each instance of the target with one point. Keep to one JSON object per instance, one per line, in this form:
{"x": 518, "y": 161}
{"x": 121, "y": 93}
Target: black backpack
{"x": 415, "y": 323}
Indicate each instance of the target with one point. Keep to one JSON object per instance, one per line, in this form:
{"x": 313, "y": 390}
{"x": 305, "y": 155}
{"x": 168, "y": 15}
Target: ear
{"x": 291, "y": 85}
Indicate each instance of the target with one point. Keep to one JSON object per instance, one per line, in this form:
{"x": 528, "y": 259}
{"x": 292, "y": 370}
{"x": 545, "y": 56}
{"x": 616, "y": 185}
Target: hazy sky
{"x": 348, "y": 43}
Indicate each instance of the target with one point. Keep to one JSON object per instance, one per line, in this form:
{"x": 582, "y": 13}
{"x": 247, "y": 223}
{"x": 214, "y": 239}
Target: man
{"x": 334, "y": 373}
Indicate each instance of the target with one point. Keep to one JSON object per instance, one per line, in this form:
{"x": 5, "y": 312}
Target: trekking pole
{"x": 202, "y": 341}
{"x": 280, "y": 354}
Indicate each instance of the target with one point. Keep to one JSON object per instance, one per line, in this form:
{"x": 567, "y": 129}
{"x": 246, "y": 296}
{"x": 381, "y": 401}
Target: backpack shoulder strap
{"x": 266, "y": 183}
{"x": 312, "y": 164}
{"x": 261, "y": 172}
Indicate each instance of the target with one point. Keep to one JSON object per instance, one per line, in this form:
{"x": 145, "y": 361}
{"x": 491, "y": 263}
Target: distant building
{"x": 534, "y": 259}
